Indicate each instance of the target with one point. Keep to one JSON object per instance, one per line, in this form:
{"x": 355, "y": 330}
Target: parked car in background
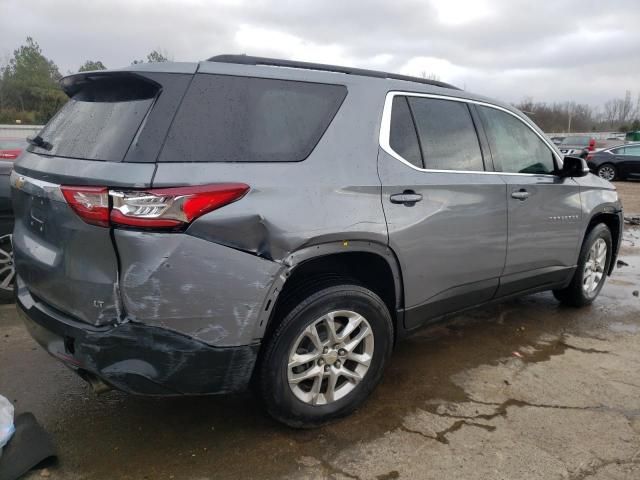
{"x": 620, "y": 162}
{"x": 11, "y": 148}
{"x": 616, "y": 136}
{"x": 189, "y": 228}
{"x": 577, "y": 145}
{"x": 557, "y": 140}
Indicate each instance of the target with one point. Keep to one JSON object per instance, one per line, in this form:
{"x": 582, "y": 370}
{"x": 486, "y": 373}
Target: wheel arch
{"x": 613, "y": 222}
{"x": 373, "y": 265}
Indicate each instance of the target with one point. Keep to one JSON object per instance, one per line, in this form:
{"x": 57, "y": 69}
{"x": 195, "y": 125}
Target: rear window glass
{"x": 101, "y": 119}
{"x": 242, "y": 119}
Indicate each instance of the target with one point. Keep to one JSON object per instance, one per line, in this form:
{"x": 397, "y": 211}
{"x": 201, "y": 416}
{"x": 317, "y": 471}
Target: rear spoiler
{"x": 71, "y": 84}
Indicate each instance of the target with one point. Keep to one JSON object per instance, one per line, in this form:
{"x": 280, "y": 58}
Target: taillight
{"x": 90, "y": 203}
{"x": 161, "y": 208}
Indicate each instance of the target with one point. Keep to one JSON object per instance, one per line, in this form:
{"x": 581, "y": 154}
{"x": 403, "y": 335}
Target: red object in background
{"x": 10, "y": 149}
{"x": 592, "y": 145}
{"x": 9, "y": 154}
{"x": 589, "y": 156}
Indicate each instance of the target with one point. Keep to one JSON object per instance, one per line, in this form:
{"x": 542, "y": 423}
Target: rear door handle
{"x": 521, "y": 194}
{"x": 408, "y": 198}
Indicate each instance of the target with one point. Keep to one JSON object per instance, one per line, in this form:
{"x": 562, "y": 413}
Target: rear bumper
{"x": 138, "y": 358}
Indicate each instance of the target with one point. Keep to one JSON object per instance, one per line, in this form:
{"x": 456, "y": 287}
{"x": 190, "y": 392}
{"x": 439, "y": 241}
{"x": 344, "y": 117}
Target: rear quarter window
{"x": 243, "y": 119}
{"x": 100, "y": 120}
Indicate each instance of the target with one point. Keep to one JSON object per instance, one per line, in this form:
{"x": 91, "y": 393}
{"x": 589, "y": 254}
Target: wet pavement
{"x": 525, "y": 389}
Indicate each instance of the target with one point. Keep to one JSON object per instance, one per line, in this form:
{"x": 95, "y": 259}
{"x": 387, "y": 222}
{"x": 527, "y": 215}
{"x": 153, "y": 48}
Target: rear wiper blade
{"x": 38, "y": 141}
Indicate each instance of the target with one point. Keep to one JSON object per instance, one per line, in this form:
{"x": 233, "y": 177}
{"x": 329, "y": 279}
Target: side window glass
{"x": 618, "y": 151}
{"x": 514, "y": 146}
{"x": 447, "y": 135}
{"x": 633, "y": 150}
{"x": 402, "y": 133}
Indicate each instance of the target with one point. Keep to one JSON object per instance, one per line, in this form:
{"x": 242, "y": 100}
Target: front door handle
{"x": 408, "y": 198}
{"x": 521, "y": 194}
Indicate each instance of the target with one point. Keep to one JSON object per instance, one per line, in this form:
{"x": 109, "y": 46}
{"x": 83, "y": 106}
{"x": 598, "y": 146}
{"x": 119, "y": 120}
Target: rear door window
{"x": 243, "y": 119}
{"x": 100, "y": 120}
{"x": 447, "y": 134}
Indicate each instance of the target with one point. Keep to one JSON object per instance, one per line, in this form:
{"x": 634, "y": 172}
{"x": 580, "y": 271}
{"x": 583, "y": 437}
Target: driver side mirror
{"x": 574, "y": 167}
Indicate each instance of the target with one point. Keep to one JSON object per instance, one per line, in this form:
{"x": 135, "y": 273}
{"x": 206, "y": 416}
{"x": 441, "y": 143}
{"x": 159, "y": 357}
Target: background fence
{"x": 19, "y": 131}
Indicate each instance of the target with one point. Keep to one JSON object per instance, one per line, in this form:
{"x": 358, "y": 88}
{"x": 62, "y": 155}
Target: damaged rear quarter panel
{"x": 205, "y": 290}
{"x": 213, "y": 281}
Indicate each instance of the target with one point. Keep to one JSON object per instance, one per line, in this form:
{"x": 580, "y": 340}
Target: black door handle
{"x": 521, "y": 194}
{"x": 408, "y": 198}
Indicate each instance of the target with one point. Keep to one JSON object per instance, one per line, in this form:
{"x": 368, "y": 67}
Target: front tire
{"x": 607, "y": 172}
{"x": 326, "y": 357}
{"x": 591, "y": 273}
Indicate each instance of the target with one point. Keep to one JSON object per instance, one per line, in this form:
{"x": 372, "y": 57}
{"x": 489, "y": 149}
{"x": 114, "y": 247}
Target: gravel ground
{"x": 522, "y": 390}
{"x": 630, "y": 194}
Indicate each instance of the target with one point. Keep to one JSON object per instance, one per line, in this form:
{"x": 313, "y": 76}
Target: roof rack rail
{"x": 275, "y": 62}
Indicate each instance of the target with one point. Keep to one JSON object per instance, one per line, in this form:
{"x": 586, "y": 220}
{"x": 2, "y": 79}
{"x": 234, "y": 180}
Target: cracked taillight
{"x": 158, "y": 208}
{"x": 90, "y": 203}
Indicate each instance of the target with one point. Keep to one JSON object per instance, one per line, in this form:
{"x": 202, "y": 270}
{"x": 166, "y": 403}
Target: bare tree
{"x": 625, "y": 108}
{"x": 430, "y": 76}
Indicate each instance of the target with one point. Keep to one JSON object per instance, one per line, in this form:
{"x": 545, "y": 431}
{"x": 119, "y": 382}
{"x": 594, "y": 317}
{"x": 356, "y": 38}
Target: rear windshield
{"x": 242, "y": 119}
{"x": 100, "y": 120}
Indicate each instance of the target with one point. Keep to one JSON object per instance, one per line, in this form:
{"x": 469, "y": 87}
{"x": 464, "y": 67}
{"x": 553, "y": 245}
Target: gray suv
{"x": 196, "y": 228}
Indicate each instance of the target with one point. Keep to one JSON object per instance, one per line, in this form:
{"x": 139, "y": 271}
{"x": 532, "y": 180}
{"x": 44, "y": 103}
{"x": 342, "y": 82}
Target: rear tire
{"x": 607, "y": 172}
{"x": 591, "y": 271}
{"x": 331, "y": 361}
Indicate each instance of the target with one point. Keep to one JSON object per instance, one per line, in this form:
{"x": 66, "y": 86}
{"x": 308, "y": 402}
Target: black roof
{"x": 275, "y": 62}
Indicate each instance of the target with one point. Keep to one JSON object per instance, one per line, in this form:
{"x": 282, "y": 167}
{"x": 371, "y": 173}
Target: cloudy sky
{"x": 552, "y": 50}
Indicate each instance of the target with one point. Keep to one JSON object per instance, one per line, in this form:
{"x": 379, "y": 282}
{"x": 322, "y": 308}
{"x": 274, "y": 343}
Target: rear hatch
{"x": 108, "y": 135}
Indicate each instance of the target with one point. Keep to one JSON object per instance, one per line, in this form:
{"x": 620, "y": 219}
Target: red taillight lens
{"x": 171, "y": 207}
{"x": 164, "y": 208}
{"x": 90, "y": 203}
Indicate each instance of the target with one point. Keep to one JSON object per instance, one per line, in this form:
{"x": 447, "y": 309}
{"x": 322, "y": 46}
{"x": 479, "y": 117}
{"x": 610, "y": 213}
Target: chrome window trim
{"x": 385, "y": 130}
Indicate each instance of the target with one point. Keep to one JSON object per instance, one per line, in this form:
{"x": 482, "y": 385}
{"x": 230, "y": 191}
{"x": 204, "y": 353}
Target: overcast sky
{"x": 582, "y": 50}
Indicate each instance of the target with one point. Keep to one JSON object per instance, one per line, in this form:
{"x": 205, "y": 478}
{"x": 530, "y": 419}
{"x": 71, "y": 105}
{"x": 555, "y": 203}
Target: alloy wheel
{"x": 330, "y": 357}
{"x": 594, "y": 267}
{"x": 7, "y": 268}
{"x": 607, "y": 172}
